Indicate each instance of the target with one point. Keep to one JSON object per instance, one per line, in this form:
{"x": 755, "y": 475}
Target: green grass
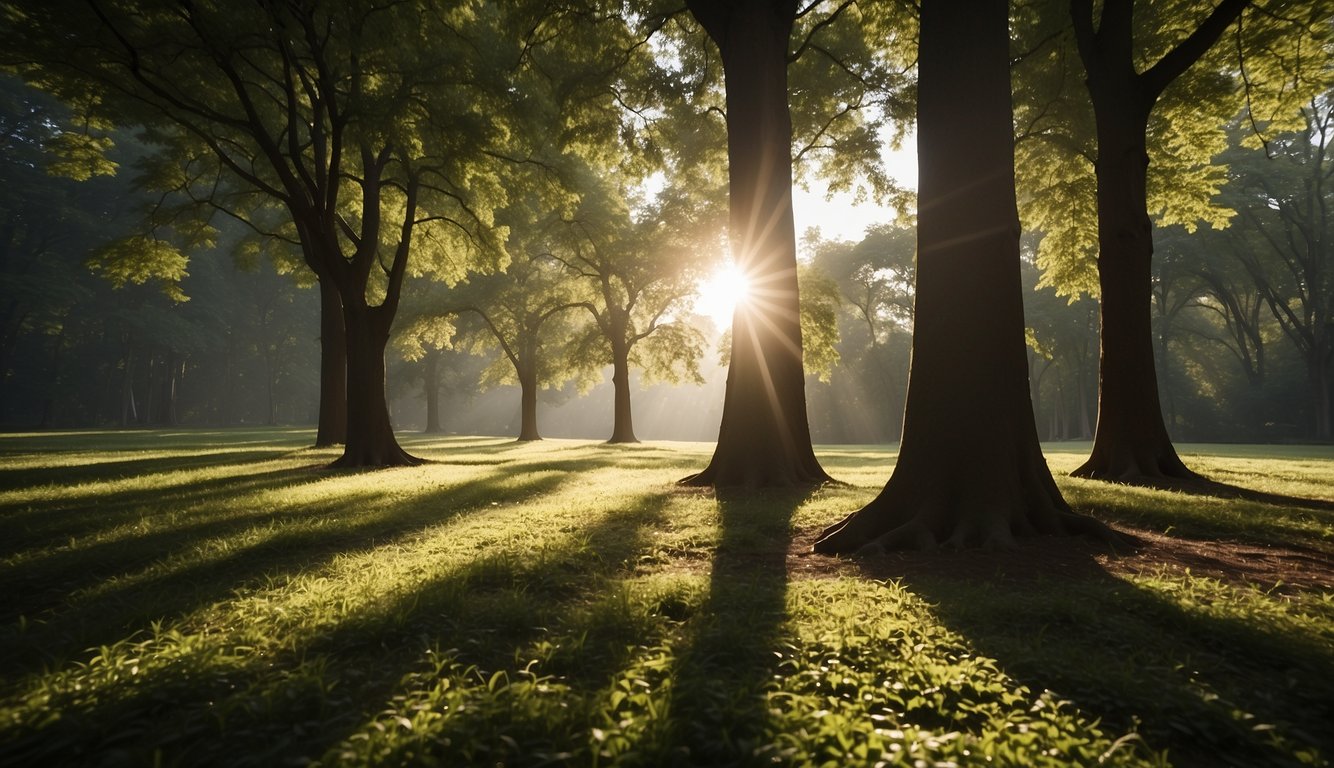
{"x": 194, "y": 598}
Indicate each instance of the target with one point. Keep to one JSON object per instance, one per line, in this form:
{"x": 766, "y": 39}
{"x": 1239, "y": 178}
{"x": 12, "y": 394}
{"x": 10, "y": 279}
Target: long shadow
{"x": 133, "y": 601}
{"x": 1219, "y": 490}
{"x": 1209, "y": 689}
{"x": 55, "y": 523}
{"x": 292, "y": 708}
{"x": 72, "y": 472}
{"x": 719, "y": 712}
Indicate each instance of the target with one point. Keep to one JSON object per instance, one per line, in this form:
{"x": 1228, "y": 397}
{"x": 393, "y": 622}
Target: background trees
{"x": 599, "y": 133}
{"x": 368, "y": 125}
{"x": 639, "y": 271}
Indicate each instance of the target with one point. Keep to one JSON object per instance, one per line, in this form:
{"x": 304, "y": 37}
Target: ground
{"x": 1280, "y": 567}
{"x": 223, "y": 598}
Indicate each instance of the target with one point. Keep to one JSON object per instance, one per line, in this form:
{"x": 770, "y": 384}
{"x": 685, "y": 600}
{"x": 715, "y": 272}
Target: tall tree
{"x": 764, "y": 438}
{"x": 970, "y": 471}
{"x": 367, "y": 123}
{"x": 1130, "y": 442}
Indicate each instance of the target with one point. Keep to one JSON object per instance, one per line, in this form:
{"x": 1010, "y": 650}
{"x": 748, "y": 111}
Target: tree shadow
{"x": 75, "y": 471}
{"x": 719, "y": 709}
{"x": 1203, "y": 486}
{"x": 1207, "y": 686}
{"x": 339, "y": 681}
{"x": 82, "y": 599}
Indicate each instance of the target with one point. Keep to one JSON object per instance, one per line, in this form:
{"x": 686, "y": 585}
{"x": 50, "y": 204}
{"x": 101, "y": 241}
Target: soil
{"x": 1285, "y": 568}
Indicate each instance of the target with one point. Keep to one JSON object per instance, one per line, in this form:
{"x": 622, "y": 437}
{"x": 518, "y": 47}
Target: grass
{"x": 196, "y": 598}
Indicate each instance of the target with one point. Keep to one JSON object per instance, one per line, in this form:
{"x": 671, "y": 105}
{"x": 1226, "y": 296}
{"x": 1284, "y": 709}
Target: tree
{"x": 41, "y": 229}
{"x": 369, "y": 124}
{"x": 523, "y": 313}
{"x": 1285, "y": 201}
{"x": 970, "y": 471}
{"x": 764, "y": 438}
{"x": 875, "y": 279}
{"x": 639, "y": 265}
{"x": 1130, "y": 443}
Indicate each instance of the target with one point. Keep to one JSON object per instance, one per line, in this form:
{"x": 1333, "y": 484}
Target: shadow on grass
{"x": 338, "y": 681}
{"x": 106, "y": 592}
{"x": 719, "y": 710}
{"x": 55, "y": 522}
{"x": 1210, "y": 688}
{"x": 72, "y": 472}
{"x": 1207, "y": 488}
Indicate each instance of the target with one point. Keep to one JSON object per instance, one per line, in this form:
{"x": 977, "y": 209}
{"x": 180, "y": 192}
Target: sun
{"x": 719, "y": 293}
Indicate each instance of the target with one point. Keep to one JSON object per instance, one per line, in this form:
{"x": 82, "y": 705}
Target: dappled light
{"x": 622, "y": 384}
{"x": 566, "y": 601}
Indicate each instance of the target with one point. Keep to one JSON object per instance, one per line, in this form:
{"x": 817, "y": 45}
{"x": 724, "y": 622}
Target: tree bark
{"x": 970, "y": 471}
{"x": 623, "y": 428}
{"x": 528, "y": 404}
{"x": 764, "y": 439}
{"x": 370, "y": 435}
{"x": 332, "y": 429}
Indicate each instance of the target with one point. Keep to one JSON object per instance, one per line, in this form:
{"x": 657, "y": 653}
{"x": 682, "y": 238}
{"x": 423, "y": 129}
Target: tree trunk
{"x": 970, "y": 471}
{"x": 1130, "y": 441}
{"x": 370, "y": 436}
{"x": 764, "y": 439}
{"x": 431, "y": 384}
{"x": 528, "y": 404}
{"x": 332, "y": 428}
{"x": 623, "y": 428}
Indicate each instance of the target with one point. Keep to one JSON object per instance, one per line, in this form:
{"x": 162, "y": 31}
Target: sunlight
{"x": 719, "y": 293}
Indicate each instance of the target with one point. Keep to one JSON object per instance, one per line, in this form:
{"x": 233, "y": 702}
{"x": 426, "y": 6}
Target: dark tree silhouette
{"x": 764, "y": 439}
{"x": 970, "y": 471}
{"x": 1130, "y": 442}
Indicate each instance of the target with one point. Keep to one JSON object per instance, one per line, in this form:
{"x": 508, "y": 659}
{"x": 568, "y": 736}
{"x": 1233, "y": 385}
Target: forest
{"x": 145, "y": 285}
{"x": 666, "y": 382}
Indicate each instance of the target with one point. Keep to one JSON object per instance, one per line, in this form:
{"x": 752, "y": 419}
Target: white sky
{"x": 839, "y": 218}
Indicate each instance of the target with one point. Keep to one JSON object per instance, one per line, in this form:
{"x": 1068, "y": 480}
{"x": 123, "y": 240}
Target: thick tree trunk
{"x": 764, "y": 439}
{"x": 332, "y": 429}
{"x": 970, "y": 471}
{"x": 370, "y": 436}
{"x": 528, "y": 404}
{"x": 431, "y": 385}
{"x": 623, "y": 428}
{"x": 1130, "y": 441}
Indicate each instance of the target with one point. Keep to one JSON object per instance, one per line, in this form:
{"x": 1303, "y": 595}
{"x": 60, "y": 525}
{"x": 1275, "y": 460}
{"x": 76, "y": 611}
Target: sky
{"x": 839, "y": 218}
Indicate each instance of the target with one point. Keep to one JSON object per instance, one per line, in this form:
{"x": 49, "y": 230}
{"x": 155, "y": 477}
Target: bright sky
{"x": 839, "y": 218}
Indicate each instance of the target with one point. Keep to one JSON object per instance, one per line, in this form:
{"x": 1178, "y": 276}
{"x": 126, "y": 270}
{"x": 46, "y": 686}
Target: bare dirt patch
{"x": 1286, "y": 568}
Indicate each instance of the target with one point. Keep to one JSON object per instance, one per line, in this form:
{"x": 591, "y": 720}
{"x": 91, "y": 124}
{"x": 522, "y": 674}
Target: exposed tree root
{"x": 386, "y": 456}
{"x": 960, "y": 513}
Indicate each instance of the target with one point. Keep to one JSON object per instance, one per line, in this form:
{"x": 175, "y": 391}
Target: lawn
{"x": 194, "y": 598}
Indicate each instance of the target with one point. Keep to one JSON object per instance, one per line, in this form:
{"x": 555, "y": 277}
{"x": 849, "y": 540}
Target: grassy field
{"x": 193, "y": 598}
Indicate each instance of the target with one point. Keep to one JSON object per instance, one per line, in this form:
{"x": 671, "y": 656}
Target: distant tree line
{"x": 545, "y": 184}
